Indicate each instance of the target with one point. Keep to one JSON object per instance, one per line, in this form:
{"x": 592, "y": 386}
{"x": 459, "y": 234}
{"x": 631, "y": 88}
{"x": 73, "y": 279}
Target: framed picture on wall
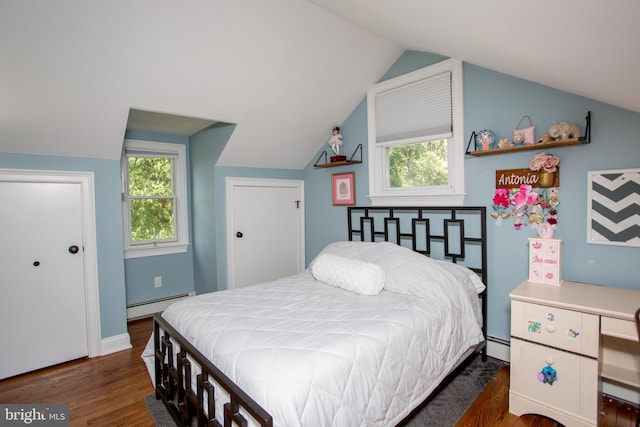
{"x": 343, "y": 189}
{"x": 613, "y": 198}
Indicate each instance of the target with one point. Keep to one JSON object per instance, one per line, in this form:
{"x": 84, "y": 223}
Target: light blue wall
{"x": 206, "y": 147}
{"x": 326, "y": 223}
{"x": 109, "y": 238}
{"x": 492, "y": 100}
{"x": 497, "y": 101}
{"x": 207, "y": 230}
{"x": 176, "y": 270}
{"x": 221, "y": 173}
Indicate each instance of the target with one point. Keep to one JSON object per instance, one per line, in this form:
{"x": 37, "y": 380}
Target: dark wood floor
{"x": 109, "y": 390}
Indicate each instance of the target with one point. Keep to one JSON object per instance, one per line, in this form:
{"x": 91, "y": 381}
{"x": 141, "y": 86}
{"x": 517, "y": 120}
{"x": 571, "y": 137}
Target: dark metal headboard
{"x": 454, "y": 233}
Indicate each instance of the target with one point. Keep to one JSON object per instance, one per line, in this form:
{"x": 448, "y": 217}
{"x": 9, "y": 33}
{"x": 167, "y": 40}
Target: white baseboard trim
{"x": 151, "y": 307}
{"x": 114, "y": 344}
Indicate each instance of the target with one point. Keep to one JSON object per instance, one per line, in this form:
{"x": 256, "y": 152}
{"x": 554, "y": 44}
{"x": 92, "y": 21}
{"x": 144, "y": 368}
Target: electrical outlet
{"x": 157, "y": 281}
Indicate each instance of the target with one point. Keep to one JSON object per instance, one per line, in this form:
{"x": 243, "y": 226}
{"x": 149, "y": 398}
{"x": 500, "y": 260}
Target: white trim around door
{"x": 232, "y": 183}
{"x": 85, "y": 179}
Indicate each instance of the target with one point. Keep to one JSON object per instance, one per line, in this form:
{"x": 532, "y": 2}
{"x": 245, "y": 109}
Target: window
{"x": 416, "y": 138}
{"x": 154, "y": 198}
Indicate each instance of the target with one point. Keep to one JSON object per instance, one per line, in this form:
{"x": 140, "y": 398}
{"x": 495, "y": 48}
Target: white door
{"x": 265, "y": 230}
{"x": 42, "y": 290}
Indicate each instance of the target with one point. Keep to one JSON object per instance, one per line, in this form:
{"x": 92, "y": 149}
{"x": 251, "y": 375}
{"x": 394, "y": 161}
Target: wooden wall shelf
{"x": 553, "y": 144}
{"x": 539, "y": 146}
{"x": 349, "y": 161}
{"x": 334, "y": 164}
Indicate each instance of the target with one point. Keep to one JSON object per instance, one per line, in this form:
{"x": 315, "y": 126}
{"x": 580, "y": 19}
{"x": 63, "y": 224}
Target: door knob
{"x": 239, "y": 234}
{"x": 36, "y": 263}
{"x": 73, "y": 249}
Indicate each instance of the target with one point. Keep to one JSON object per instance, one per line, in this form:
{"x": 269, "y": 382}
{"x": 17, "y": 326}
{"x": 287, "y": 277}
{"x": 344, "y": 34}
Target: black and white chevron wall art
{"x": 614, "y": 207}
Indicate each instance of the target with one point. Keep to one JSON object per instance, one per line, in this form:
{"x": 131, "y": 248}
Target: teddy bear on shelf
{"x": 504, "y": 143}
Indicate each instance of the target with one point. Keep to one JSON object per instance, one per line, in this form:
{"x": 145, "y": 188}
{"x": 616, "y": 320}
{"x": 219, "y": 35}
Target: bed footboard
{"x": 190, "y": 403}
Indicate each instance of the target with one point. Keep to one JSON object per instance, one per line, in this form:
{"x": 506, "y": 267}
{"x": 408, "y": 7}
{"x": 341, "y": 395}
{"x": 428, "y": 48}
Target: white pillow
{"x": 406, "y": 271}
{"x": 364, "y": 278}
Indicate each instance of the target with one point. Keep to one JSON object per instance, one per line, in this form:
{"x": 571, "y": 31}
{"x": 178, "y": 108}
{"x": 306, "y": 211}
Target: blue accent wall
{"x": 176, "y": 270}
{"x": 492, "y": 100}
{"x": 497, "y": 101}
{"x": 206, "y": 147}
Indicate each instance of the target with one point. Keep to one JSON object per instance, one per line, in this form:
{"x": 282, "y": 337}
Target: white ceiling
{"x": 587, "y": 47}
{"x": 284, "y": 71}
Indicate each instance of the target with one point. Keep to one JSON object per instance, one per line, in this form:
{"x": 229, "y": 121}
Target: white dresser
{"x": 564, "y": 340}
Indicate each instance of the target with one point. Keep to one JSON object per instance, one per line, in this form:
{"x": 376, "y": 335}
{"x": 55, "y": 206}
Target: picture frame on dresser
{"x": 612, "y": 206}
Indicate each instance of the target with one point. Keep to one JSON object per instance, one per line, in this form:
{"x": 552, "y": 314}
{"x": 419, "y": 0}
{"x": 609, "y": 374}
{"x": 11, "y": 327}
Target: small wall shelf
{"x": 553, "y": 144}
{"x": 349, "y": 161}
{"x": 539, "y": 146}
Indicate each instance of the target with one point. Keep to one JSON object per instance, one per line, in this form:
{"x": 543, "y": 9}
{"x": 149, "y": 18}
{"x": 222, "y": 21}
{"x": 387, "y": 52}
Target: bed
{"x": 363, "y": 337}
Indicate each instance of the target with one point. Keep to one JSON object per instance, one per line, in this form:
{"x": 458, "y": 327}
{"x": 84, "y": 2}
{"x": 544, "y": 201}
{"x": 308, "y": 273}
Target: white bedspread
{"x": 317, "y": 355}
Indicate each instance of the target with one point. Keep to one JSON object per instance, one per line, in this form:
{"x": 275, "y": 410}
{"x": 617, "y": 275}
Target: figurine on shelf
{"x": 564, "y": 130}
{"x": 504, "y": 143}
{"x": 336, "y": 141}
{"x": 486, "y": 139}
{"x": 518, "y": 139}
{"x": 545, "y": 138}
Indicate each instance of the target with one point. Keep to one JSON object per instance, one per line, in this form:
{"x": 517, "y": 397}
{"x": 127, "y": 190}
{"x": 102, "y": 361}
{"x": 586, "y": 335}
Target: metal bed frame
{"x": 386, "y": 224}
{"x": 175, "y": 357}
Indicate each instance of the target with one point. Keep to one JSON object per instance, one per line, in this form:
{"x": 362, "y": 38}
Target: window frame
{"x": 181, "y": 223}
{"x": 380, "y": 193}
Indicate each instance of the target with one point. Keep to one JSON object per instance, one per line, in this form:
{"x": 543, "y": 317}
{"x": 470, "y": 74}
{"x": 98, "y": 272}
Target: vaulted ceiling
{"x": 284, "y": 71}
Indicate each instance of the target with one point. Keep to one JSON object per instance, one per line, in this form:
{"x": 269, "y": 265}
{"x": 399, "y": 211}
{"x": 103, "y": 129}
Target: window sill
{"x": 418, "y": 200}
{"x": 155, "y": 251}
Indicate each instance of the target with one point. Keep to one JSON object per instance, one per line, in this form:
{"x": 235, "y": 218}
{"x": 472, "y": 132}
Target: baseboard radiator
{"x": 148, "y": 308}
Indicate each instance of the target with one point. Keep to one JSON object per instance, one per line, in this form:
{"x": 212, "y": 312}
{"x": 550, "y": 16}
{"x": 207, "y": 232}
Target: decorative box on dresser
{"x": 564, "y": 341}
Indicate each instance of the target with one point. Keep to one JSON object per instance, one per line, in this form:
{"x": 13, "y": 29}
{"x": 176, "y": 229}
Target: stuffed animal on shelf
{"x": 564, "y": 130}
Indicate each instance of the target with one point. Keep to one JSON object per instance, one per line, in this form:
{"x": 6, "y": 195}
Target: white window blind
{"x": 418, "y": 109}
{"x": 132, "y": 152}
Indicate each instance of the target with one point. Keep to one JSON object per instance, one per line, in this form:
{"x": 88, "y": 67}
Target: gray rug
{"x": 443, "y": 410}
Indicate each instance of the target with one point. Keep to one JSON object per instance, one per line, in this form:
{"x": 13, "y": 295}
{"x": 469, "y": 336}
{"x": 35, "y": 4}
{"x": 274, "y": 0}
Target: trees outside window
{"x": 154, "y": 199}
{"x": 151, "y": 198}
{"x": 424, "y": 164}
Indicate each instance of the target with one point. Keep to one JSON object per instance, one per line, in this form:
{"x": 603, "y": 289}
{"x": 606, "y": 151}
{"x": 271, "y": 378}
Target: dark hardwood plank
{"x": 491, "y": 408}
{"x": 106, "y": 390}
{"x": 110, "y": 390}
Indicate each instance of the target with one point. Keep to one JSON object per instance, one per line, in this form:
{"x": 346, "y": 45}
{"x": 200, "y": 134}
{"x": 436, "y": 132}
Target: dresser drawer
{"x": 574, "y": 389}
{"x": 556, "y": 327}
